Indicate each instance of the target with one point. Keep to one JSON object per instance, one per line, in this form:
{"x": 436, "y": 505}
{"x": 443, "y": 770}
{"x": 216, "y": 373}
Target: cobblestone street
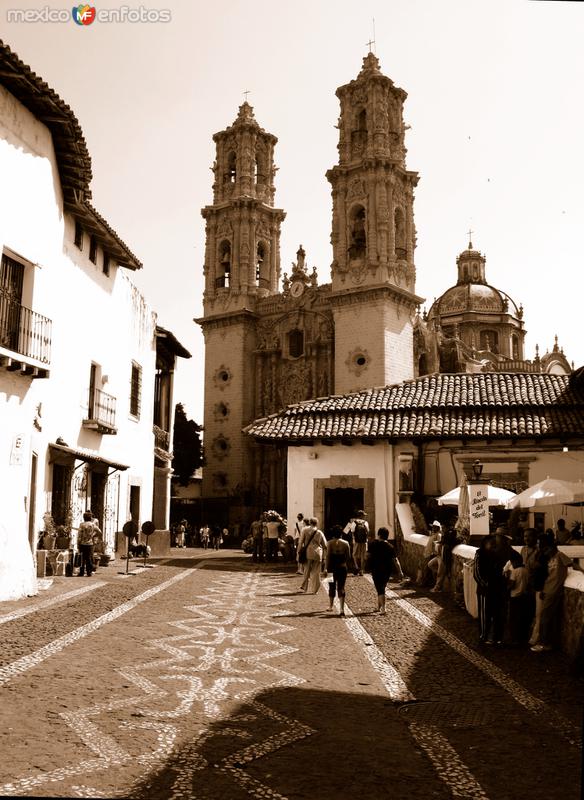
{"x": 210, "y": 677}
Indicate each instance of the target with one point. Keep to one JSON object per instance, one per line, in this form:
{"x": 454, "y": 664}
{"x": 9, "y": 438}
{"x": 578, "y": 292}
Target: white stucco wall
{"x": 306, "y": 464}
{"x": 94, "y": 317}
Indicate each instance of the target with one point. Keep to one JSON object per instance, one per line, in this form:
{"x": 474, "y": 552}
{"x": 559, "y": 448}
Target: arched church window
{"x": 515, "y": 347}
{"x": 223, "y": 278}
{"x": 231, "y": 173}
{"x": 358, "y": 234}
{"x": 400, "y": 233}
{"x": 359, "y": 133}
{"x": 261, "y": 267}
{"x": 296, "y": 343}
{"x": 422, "y": 365}
{"x": 489, "y": 340}
{"x": 260, "y": 168}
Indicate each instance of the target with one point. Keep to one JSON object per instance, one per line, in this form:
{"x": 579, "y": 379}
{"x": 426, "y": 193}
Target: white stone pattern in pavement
{"x": 10, "y": 671}
{"x": 50, "y": 601}
{"x": 519, "y": 693}
{"x": 445, "y": 760}
{"x": 393, "y": 682}
{"x": 220, "y": 657}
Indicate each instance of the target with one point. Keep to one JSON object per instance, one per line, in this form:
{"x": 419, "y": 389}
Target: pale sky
{"x": 494, "y": 104}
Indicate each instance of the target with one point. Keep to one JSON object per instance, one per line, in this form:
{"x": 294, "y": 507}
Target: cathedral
{"x": 273, "y": 340}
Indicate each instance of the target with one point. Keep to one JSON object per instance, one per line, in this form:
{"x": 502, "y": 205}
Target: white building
{"x": 379, "y": 447}
{"x": 85, "y": 371}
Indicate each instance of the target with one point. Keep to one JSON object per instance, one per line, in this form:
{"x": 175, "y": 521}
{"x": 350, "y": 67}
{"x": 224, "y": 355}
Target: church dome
{"x": 472, "y": 292}
{"x": 473, "y": 297}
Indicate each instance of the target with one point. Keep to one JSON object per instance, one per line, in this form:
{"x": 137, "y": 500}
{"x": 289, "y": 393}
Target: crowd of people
{"x": 343, "y": 551}
{"x": 214, "y": 536}
{"x": 520, "y": 593}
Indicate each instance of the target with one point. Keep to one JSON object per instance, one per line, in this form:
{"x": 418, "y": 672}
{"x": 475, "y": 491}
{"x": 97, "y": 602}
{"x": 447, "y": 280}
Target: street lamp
{"x": 477, "y": 469}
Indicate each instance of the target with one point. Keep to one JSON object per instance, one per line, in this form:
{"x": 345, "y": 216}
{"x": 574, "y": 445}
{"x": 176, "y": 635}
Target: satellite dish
{"x": 148, "y": 528}
{"x": 130, "y": 528}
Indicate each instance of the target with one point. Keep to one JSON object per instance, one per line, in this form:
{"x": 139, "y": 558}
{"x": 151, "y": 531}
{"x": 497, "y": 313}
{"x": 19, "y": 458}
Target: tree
{"x": 187, "y": 446}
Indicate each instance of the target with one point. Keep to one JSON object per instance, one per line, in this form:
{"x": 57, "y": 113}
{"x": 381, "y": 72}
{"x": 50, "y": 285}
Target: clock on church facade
{"x": 273, "y": 339}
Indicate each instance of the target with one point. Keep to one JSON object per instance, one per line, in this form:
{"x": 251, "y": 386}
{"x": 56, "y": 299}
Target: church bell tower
{"x": 373, "y": 236}
{"x": 242, "y": 256}
{"x": 242, "y": 266}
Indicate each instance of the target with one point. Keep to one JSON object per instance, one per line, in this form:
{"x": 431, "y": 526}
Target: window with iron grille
{"x": 93, "y": 250}
{"x": 135, "y": 389}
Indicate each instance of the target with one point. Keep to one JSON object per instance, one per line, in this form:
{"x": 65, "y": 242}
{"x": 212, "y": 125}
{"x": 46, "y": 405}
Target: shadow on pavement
{"x": 299, "y": 743}
{"x": 475, "y": 696}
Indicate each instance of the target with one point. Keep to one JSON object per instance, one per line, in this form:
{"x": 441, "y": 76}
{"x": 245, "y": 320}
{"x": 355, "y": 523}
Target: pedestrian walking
{"x": 358, "y": 528}
{"x": 381, "y": 562}
{"x": 216, "y": 539}
{"x": 298, "y": 525}
{"x": 273, "y": 521}
{"x": 257, "y": 535}
{"x": 85, "y": 544}
{"x": 180, "y": 534}
{"x": 205, "y": 534}
{"x": 338, "y": 557}
{"x": 315, "y": 543}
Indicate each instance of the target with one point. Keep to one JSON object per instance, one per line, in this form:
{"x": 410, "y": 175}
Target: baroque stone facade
{"x": 474, "y": 327}
{"x": 272, "y": 340}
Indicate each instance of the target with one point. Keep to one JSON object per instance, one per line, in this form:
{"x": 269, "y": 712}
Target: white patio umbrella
{"x": 496, "y": 496}
{"x": 550, "y": 492}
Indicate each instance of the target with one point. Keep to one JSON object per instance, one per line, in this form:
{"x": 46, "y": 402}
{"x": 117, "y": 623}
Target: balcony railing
{"x": 161, "y": 439}
{"x": 101, "y": 412}
{"x": 24, "y": 331}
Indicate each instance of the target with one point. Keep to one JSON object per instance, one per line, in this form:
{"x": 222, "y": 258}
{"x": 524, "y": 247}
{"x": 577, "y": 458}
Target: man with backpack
{"x": 358, "y": 529}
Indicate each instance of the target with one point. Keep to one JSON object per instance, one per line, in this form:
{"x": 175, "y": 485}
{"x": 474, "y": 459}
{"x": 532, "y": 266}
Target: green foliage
{"x": 187, "y": 446}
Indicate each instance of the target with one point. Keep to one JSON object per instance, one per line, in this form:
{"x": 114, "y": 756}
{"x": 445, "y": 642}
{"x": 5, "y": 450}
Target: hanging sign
{"x": 479, "y": 509}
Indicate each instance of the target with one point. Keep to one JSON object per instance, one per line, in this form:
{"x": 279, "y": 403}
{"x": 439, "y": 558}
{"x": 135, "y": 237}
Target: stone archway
{"x": 344, "y": 482}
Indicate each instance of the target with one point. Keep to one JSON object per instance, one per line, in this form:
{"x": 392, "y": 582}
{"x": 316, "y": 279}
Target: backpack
{"x": 360, "y": 532}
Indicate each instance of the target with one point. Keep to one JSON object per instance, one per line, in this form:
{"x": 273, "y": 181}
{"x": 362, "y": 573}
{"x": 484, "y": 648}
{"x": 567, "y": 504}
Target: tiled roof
{"x": 485, "y": 405}
{"x": 73, "y": 159}
{"x": 71, "y": 150}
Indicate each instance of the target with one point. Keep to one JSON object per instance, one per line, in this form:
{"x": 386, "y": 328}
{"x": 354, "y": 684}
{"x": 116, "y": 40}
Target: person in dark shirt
{"x": 338, "y": 555}
{"x": 492, "y": 594}
{"x": 381, "y": 561}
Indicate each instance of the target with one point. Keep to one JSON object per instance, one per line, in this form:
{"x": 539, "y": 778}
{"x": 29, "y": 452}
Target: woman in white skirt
{"x": 314, "y": 541}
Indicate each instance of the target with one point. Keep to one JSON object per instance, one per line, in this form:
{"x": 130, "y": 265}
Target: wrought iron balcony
{"x": 161, "y": 439}
{"x": 25, "y": 334}
{"x": 101, "y": 412}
